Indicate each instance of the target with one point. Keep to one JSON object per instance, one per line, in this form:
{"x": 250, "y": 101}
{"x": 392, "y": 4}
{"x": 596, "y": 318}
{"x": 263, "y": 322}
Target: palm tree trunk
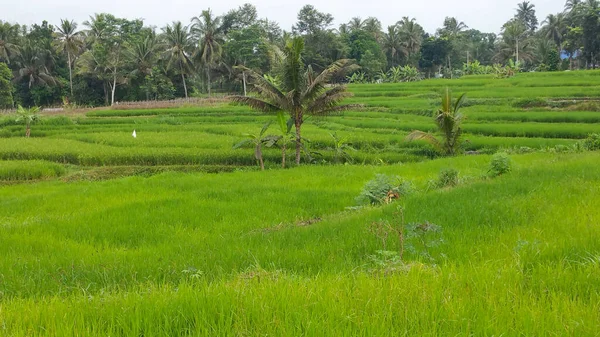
{"x": 70, "y": 74}
{"x": 184, "y": 85}
{"x": 298, "y": 124}
{"x": 208, "y": 77}
{"x": 27, "y": 130}
{"x": 244, "y": 80}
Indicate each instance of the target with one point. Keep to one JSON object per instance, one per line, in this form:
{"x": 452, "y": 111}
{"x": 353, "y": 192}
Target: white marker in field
{"x": 134, "y": 134}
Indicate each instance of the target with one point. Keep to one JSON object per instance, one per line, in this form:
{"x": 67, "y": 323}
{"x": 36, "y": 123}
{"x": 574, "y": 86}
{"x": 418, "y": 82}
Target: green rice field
{"x": 176, "y": 233}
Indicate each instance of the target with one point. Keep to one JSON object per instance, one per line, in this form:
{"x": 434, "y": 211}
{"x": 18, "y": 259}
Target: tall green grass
{"x": 235, "y": 254}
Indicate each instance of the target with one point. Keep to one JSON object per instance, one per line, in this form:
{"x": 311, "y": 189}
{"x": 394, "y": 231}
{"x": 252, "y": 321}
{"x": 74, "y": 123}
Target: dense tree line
{"x": 108, "y": 59}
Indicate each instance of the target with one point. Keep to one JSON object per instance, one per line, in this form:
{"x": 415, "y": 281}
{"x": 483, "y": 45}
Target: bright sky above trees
{"x": 485, "y": 15}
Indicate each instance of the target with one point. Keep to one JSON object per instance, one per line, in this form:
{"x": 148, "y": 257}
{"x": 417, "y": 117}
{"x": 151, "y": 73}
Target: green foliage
{"x": 476, "y": 68}
{"x": 384, "y": 189}
{"x": 447, "y": 177}
{"x": 27, "y": 117}
{"x": 448, "y": 120}
{"x": 341, "y": 149}
{"x": 553, "y": 60}
{"x": 592, "y": 142}
{"x": 500, "y": 164}
{"x": 6, "y": 88}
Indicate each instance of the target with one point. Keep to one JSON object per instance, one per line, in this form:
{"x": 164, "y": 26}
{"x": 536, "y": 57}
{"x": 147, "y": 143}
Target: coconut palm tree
{"x": 356, "y": 23}
{"x": 448, "y": 120}
{"x": 452, "y": 27}
{"x": 34, "y": 65}
{"x": 179, "y": 48}
{"x": 515, "y": 43}
{"x": 206, "y": 28}
{"x": 143, "y": 54}
{"x": 301, "y": 93}
{"x": 411, "y": 35}
{"x": 526, "y": 14}
{"x": 393, "y": 45}
{"x": 8, "y": 36}
{"x": 555, "y": 29}
{"x": 69, "y": 42}
{"x": 372, "y": 25}
{"x": 571, "y": 4}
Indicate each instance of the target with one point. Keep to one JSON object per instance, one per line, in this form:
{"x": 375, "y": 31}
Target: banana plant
{"x": 28, "y": 117}
{"x": 258, "y": 141}
{"x": 341, "y": 149}
{"x": 285, "y": 128}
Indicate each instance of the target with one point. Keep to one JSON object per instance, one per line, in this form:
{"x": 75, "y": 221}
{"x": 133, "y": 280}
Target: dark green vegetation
{"x": 107, "y": 59}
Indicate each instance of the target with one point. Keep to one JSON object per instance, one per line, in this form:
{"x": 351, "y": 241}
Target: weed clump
{"x": 384, "y": 189}
{"x": 447, "y": 178}
{"x": 592, "y": 142}
{"x": 500, "y": 164}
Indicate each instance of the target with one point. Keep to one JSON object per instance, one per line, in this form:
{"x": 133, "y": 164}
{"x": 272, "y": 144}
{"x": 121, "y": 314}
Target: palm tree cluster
{"x": 108, "y": 59}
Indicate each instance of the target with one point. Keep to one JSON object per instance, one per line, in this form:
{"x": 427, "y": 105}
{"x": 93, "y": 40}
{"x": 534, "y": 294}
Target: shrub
{"x": 500, "y": 164}
{"x": 592, "y": 142}
{"x": 447, "y": 178}
{"x": 384, "y": 189}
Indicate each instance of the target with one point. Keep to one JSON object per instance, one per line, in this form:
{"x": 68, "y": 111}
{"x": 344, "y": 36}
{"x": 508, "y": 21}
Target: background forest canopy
{"x": 107, "y": 59}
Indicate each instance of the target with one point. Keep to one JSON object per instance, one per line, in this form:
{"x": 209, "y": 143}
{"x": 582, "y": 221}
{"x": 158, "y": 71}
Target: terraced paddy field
{"x": 174, "y": 233}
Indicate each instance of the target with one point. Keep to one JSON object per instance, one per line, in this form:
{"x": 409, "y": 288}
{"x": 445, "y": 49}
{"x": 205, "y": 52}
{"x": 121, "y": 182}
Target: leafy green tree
{"x": 206, "y": 28}
{"x": 238, "y": 19}
{"x": 70, "y": 43}
{"x": 108, "y": 37}
{"x": 246, "y": 47}
{"x": 434, "y": 53}
{"x": 6, "y": 88}
{"x": 302, "y": 92}
{"x": 365, "y": 49}
{"x": 311, "y": 21}
{"x": 448, "y": 120}
{"x": 27, "y": 117}
{"x": 179, "y": 50}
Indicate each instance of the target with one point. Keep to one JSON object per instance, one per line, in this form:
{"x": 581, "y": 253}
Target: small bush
{"x": 384, "y": 189}
{"x": 500, "y": 164}
{"x": 592, "y": 142}
{"x": 447, "y": 178}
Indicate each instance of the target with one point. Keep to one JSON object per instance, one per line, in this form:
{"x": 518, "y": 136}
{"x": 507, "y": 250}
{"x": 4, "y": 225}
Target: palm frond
{"x": 425, "y": 136}
{"x": 256, "y": 103}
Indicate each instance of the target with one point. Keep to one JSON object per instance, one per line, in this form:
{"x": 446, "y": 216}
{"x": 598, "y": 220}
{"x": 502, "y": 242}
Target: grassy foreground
{"x": 279, "y": 253}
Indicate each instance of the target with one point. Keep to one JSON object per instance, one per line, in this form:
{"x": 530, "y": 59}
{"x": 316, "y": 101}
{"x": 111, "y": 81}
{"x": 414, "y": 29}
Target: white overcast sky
{"x": 485, "y": 15}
